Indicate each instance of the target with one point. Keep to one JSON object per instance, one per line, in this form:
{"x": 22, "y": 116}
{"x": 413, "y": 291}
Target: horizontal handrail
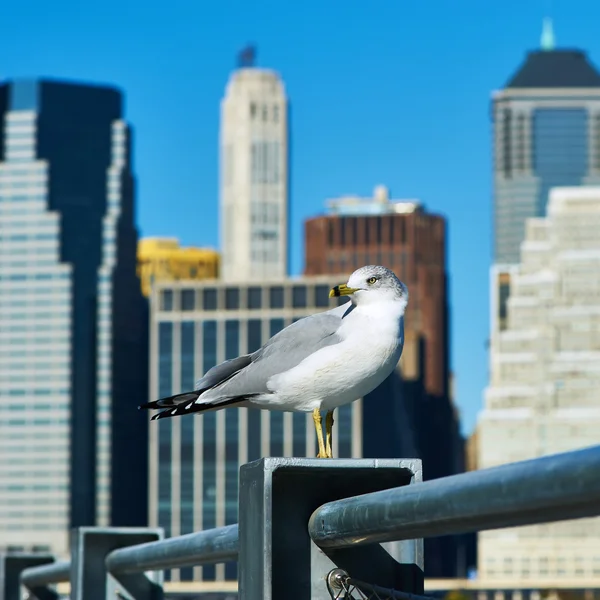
{"x": 42, "y": 575}
{"x": 201, "y": 548}
{"x": 552, "y": 488}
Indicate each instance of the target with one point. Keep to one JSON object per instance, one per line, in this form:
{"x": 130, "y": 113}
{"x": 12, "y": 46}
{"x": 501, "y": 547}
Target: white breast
{"x": 370, "y": 349}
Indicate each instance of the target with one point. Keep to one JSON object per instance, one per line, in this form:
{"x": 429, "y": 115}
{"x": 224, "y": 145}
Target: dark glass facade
{"x": 74, "y": 134}
{"x": 546, "y": 135}
{"x": 560, "y": 149}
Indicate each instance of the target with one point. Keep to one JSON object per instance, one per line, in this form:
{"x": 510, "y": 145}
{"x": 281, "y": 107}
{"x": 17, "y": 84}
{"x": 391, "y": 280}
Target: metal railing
{"x": 300, "y": 522}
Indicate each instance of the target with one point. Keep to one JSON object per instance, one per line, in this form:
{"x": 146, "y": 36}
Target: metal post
{"x": 90, "y": 579}
{"x": 277, "y": 558}
{"x": 11, "y": 567}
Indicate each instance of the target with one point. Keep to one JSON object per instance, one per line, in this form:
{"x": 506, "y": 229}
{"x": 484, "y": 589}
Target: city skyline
{"x": 353, "y": 125}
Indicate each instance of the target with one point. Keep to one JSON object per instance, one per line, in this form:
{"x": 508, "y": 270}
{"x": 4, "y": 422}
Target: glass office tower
{"x": 73, "y": 332}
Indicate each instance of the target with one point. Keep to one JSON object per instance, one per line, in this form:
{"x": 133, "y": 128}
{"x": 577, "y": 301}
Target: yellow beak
{"x": 341, "y": 290}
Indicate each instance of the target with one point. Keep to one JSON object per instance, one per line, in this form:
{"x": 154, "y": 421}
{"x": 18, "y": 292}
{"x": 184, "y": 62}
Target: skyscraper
{"x": 543, "y": 392}
{"x": 73, "y": 330}
{"x": 546, "y": 134}
{"x": 254, "y": 176}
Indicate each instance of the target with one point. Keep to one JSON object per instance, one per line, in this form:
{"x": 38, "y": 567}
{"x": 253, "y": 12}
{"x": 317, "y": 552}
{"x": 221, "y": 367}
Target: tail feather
{"x": 186, "y": 403}
{"x": 171, "y": 401}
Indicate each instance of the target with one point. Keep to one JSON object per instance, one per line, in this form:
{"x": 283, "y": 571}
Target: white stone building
{"x": 254, "y": 176}
{"x": 543, "y": 396}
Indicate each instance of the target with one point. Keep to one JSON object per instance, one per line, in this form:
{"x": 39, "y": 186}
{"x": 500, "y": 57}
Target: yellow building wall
{"x": 163, "y": 259}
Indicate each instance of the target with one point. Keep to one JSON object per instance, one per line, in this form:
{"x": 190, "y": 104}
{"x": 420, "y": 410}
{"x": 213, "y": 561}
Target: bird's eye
{"x": 371, "y": 280}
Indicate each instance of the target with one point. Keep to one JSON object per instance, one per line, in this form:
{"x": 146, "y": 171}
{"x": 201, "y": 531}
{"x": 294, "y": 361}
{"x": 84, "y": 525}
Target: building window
{"x": 188, "y": 300}
{"x": 276, "y": 433}
{"x": 597, "y": 128}
{"x": 166, "y": 300}
{"x": 276, "y": 297}
{"x": 352, "y": 224}
{"x": 402, "y": 229}
{"x": 503, "y": 295}
{"x": 330, "y": 236}
{"x": 187, "y": 355}
{"x": 209, "y": 345}
{"x": 521, "y": 142}
{"x": 275, "y": 113}
{"x": 254, "y": 335}
{"x": 379, "y": 222}
{"x": 209, "y": 299}
{"x": 506, "y": 142}
{"x": 232, "y": 339}
{"x": 342, "y": 223}
{"x": 254, "y": 434}
{"x": 232, "y": 298}
{"x": 165, "y": 359}
{"x": 275, "y": 326}
{"x": 299, "y": 296}
{"x": 254, "y": 297}
{"x": 344, "y": 419}
{"x": 299, "y": 435}
{"x": 252, "y": 110}
{"x": 322, "y": 295}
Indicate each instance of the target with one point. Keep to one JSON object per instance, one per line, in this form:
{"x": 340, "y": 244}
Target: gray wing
{"x": 222, "y": 372}
{"x": 281, "y": 353}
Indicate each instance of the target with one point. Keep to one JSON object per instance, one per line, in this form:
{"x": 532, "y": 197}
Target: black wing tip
{"x": 148, "y": 405}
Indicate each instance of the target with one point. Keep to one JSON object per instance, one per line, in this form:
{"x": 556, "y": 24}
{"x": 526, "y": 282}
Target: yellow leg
{"x": 328, "y": 432}
{"x": 319, "y": 428}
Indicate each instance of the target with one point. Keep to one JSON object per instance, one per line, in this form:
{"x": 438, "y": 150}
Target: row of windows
{"x": 33, "y": 487}
{"x": 33, "y": 276}
{"x": 265, "y": 162}
{"x": 262, "y": 255}
{"x": 253, "y": 298}
{"x": 366, "y": 230}
{"x": 35, "y": 422}
{"x": 16, "y": 197}
{"x": 264, "y": 112}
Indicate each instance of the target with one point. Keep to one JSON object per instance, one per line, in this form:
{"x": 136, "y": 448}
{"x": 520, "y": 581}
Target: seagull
{"x": 318, "y": 363}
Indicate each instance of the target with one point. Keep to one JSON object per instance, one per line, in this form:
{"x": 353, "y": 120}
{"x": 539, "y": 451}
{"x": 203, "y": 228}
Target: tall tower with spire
{"x": 546, "y": 134}
{"x": 254, "y": 174}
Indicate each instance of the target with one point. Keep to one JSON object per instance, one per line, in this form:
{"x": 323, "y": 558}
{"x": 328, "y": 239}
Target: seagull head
{"x": 372, "y": 284}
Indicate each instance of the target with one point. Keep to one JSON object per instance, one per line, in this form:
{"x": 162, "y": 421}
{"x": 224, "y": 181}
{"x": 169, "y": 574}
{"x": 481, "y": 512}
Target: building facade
{"x": 546, "y": 123}
{"x": 73, "y": 329}
{"x": 545, "y": 375}
{"x": 194, "y": 461}
{"x": 403, "y": 236}
{"x": 163, "y": 259}
{"x": 254, "y": 175}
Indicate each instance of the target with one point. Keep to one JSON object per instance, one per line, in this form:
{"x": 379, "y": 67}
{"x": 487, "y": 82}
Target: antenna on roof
{"x": 247, "y": 56}
{"x": 547, "y": 41}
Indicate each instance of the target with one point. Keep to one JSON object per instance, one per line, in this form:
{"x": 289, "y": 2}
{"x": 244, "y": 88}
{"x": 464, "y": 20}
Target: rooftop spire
{"x": 547, "y": 41}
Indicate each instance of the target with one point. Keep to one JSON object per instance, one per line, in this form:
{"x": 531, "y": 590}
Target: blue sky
{"x": 395, "y": 92}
